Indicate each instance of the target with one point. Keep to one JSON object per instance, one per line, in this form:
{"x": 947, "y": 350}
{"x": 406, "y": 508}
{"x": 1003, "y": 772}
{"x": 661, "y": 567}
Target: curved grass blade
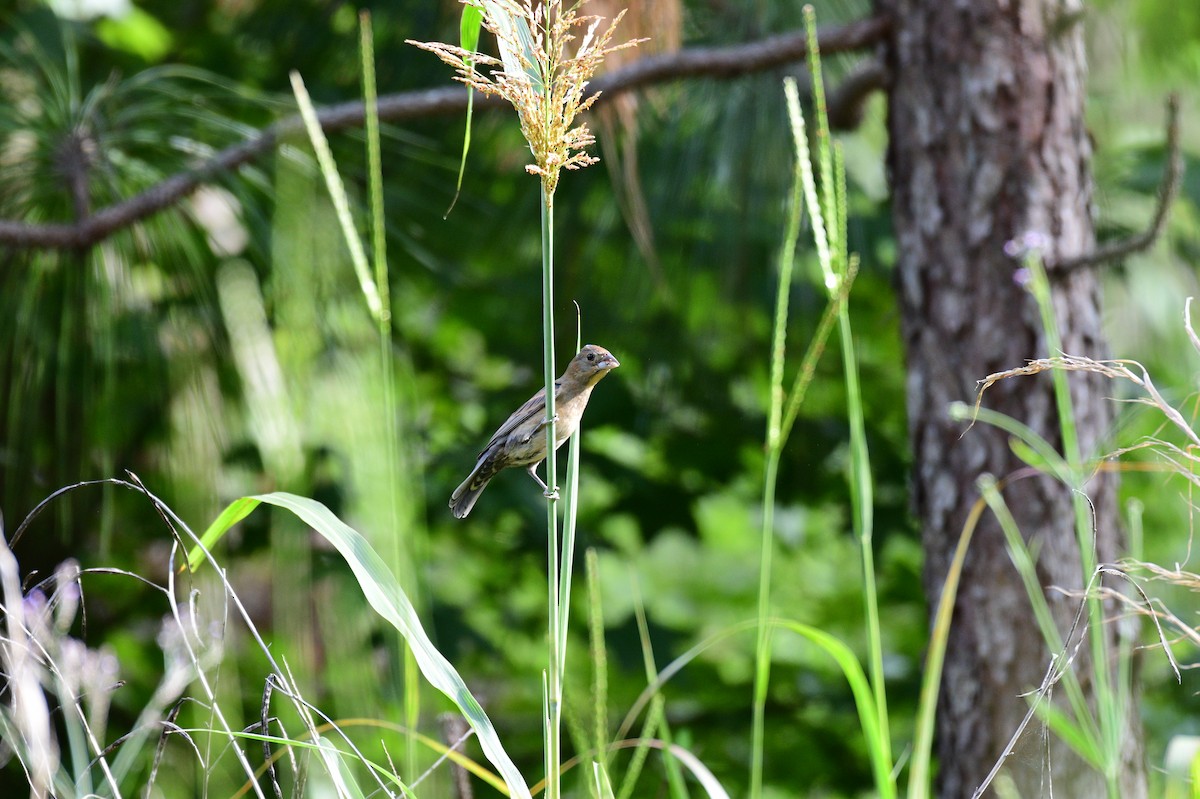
{"x": 468, "y": 39}
{"x": 340, "y": 775}
{"x": 841, "y": 654}
{"x": 864, "y": 701}
{"x": 234, "y": 513}
{"x": 921, "y": 771}
{"x": 385, "y": 595}
{"x": 700, "y": 771}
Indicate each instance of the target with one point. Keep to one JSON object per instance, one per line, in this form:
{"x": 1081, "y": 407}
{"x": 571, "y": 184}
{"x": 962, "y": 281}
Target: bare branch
{"x": 710, "y": 62}
{"x": 741, "y": 59}
{"x": 848, "y": 100}
{"x": 1168, "y": 190}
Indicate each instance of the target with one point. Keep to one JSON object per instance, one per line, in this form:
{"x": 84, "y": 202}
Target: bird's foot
{"x": 550, "y": 494}
{"x": 546, "y": 422}
{"x": 532, "y": 470}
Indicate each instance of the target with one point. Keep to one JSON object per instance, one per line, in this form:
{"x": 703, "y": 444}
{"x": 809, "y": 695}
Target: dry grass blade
{"x": 1142, "y": 605}
{"x": 1155, "y": 609}
{"x": 1114, "y": 369}
{"x": 1187, "y": 324}
{"x": 1056, "y": 670}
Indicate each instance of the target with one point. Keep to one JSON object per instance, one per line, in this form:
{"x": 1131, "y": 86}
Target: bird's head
{"x": 591, "y": 364}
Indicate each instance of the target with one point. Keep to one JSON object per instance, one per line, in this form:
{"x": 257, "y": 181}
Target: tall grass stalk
{"x": 383, "y": 320}
{"x": 920, "y": 774}
{"x": 599, "y": 658}
{"x": 656, "y": 718}
{"x": 1095, "y": 734}
{"x": 1108, "y": 707}
{"x": 554, "y": 676}
{"x": 1094, "y": 727}
{"x": 775, "y": 440}
{"x": 827, "y": 211}
{"x": 374, "y": 282}
{"x": 830, "y": 222}
{"x": 546, "y": 83}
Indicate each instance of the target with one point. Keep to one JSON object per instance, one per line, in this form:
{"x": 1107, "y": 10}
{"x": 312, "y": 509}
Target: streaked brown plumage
{"x": 521, "y": 440}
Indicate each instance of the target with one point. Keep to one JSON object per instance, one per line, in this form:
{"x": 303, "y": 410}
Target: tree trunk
{"x": 988, "y": 142}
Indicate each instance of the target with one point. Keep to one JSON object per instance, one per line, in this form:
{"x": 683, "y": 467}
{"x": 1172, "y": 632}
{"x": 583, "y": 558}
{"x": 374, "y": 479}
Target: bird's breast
{"x": 569, "y": 410}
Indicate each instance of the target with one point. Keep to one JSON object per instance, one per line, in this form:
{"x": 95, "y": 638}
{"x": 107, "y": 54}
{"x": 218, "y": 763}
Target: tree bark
{"x": 987, "y": 143}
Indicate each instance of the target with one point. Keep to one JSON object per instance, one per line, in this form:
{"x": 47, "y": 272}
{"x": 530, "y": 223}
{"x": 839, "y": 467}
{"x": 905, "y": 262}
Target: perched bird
{"x": 521, "y": 440}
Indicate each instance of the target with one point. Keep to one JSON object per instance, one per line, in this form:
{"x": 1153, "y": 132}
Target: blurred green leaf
{"x": 137, "y": 33}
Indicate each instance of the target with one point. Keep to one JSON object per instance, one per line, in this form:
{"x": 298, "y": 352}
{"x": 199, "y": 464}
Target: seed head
{"x": 548, "y": 55}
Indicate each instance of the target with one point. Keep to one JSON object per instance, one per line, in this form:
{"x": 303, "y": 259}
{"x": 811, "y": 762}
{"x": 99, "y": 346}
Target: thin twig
{"x": 1058, "y": 667}
{"x": 455, "y": 732}
{"x": 697, "y": 62}
{"x": 1168, "y": 190}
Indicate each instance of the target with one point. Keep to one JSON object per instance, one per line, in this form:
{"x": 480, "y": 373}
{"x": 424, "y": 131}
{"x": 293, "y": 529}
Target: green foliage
{"x": 126, "y": 358}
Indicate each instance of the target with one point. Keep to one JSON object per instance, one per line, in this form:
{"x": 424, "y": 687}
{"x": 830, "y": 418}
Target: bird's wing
{"x": 534, "y": 406}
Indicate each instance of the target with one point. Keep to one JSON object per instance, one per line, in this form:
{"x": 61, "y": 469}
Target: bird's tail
{"x": 465, "y": 496}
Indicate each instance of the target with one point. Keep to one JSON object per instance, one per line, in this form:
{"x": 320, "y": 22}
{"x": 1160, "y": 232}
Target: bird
{"x": 521, "y": 440}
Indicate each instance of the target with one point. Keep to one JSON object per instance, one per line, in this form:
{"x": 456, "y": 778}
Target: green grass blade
{"x": 774, "y": 444}
{"x": 468, "y": 38}
{"x": 469, "y": 27}
{"x": 863, "y": 503}
{"x": 571, "y": 495}
{"x": 337, "y": 193}
{"x": 234, "y": 513}
{"x": 1073, "y": 735}
{"x": 599, "y": 657}
{"x": 707, "y": 781}
{"x": 1043, "y": 452}
{"x": 675, "y": 783}
{"x": 842, "y": 655}
{"x": 375, "y": 172}
{"x": 338, "y": 770}
{"x": 384, "y": 594}
{"x": 1025, "y": 563}
{"x": 878, "y": 747}
{"x": 412, "y": 691}
{"x": 511, "y": 29}
{"x": 570, "y": 513}
{"x": 1108, "y": 710}
{"x": 600, "y": 781}
{"x": 654, "y": 717}
{"x": 828, "y": 212}
{"x": 920, "y": 775}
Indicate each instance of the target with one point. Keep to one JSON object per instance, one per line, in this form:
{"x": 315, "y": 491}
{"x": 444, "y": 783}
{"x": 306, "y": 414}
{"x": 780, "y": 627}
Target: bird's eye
{"x": 591, "y": 356}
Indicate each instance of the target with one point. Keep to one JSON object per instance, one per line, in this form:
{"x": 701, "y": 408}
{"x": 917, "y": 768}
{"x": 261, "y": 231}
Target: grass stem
{"x": 553, "y": 732}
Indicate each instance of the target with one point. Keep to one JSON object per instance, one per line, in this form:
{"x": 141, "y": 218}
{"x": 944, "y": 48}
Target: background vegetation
{"x": 224, "y": 348}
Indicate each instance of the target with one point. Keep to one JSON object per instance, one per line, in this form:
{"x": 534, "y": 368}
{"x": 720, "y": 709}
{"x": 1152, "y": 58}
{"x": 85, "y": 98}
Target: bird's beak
{"x": 610, "y": 362}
